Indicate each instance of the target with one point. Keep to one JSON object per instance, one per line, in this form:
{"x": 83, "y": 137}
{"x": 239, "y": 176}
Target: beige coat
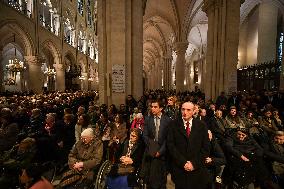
{"x": 91, "y": 156}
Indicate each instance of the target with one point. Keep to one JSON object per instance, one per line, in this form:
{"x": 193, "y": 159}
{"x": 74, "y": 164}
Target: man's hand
{"x": 157, "y": 154}
{"x": 60, "y": 144}
{"x": 188, "y": 166}
{"x": 244, "y": 158}
{"x": 208, "y": 160}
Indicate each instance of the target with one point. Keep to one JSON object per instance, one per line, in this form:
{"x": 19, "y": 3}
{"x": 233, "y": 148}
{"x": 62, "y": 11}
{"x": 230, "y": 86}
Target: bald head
{"x": 187, "y": 110}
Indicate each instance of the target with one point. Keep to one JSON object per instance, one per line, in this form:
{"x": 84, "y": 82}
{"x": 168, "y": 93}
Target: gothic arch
{"x": 23, "y": 38}
{"x": 49, "y": 45}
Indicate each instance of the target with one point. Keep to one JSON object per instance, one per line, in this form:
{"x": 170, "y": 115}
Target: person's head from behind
{"x": 5, "y": 115}
{"x": 35, "y": 113}
{"x": 187, "y": 110}
{"x": 87, "y": 136}
{"x": 279, "y": 137}
{"x": 67, "y": 111}
{"x": 31, "y": 175}
{"x": 136, "y": 110}
{"x": 26, "y": 144}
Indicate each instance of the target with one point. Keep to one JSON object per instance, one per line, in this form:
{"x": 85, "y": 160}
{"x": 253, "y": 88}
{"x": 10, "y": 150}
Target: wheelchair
{"x": 103, "y": 174}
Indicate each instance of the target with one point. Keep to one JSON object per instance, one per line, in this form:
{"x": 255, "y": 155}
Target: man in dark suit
{"x": 188, "y": 145}
{"x": 155, "y": 134}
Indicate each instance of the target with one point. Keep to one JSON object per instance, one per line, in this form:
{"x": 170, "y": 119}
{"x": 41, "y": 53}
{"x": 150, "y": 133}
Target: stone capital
{"x": 34, "y": 60}
{"x": 180, "y": 47}
{"x": 209, "y": 5}
{"x": 58, "y": 67}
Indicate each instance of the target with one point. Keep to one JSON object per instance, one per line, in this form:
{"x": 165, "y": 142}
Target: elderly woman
{"x": 138, "y": 122}
{"x": 84, "y": 157}
{"x": 131, "y": 157}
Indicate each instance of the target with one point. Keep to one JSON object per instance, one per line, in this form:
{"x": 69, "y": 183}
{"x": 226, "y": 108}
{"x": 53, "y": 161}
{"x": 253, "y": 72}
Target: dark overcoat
{"x": 194, "y": 148}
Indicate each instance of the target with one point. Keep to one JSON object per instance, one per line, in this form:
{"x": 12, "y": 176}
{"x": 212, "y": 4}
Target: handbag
{"x": 71, "y": 177}
{"x": 123, "y": 169}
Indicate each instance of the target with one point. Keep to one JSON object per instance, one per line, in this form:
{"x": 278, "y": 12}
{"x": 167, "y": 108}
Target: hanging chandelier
{"x": 15, "y": 65}
{"x": 82, "y": 77}
{"x": 50, "y": 72}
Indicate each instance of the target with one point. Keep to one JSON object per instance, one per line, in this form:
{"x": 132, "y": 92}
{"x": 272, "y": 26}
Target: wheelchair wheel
{"x": 100, "y": 182}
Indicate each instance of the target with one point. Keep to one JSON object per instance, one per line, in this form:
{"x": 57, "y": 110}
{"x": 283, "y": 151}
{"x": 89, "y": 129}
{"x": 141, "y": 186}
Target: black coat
{"x": 194, "y": 148}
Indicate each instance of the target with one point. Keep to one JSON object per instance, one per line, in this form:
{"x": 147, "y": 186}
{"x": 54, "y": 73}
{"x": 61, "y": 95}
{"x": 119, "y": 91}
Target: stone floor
{"x": 170, "y": 184}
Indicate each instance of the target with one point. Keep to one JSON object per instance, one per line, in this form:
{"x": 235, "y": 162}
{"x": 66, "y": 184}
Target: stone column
{"x": 30, "y": 7}
{"x": 158, "y": 74}
{"x": 267, "y": 32}
{"x": 84, "y": 82}
{"x": 281, "y": 84}
{"x": 180, "y": 48}
{"x": 222, "y": 46}
{"x": 2, "y": 72}
{"x": 36, "y": 76}
{"x": 167, "y": 72}
{"x": 51, "y": 20}
{"x": 60, "y": 77}
{"x": 120, "y": 44}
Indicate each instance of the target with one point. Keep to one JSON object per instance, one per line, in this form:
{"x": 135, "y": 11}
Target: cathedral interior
{"x": 120, "y": 48}
{"x": 77, "y": 78}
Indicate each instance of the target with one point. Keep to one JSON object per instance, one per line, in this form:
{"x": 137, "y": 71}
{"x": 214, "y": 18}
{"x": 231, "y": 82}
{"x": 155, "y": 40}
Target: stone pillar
{"x": 180, "y": 48}
{"x": 84, "y": 82}
{"x": 60, "y": 77}
{"x": 222, "y": 46}
{"x": 56, "y": 24}
{"x": 167, "y": 72}
{"x": 1, "y": 72}
{"x": 36, "y": 76}
{"x": 120, "y": 44}
{"x": 30, "y": 7}
{"x": 267, "y": 32}
{"x": 51, "y": 20}
{"x": 281, "y": 84}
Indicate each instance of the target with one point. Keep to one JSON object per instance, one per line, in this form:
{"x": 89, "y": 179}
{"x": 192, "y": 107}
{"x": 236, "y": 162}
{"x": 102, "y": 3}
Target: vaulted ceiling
{"x": 168, "y": 21}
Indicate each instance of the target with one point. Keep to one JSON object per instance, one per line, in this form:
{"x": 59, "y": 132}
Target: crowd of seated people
{"x": 245, "y": 132}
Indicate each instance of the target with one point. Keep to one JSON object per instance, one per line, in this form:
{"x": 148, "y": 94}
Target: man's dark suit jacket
{"x": 150, "y": 132}
{"x": 194, "y": 148}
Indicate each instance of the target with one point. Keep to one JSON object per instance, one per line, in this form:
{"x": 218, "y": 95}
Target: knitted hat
{"x": 88, "y": 133}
